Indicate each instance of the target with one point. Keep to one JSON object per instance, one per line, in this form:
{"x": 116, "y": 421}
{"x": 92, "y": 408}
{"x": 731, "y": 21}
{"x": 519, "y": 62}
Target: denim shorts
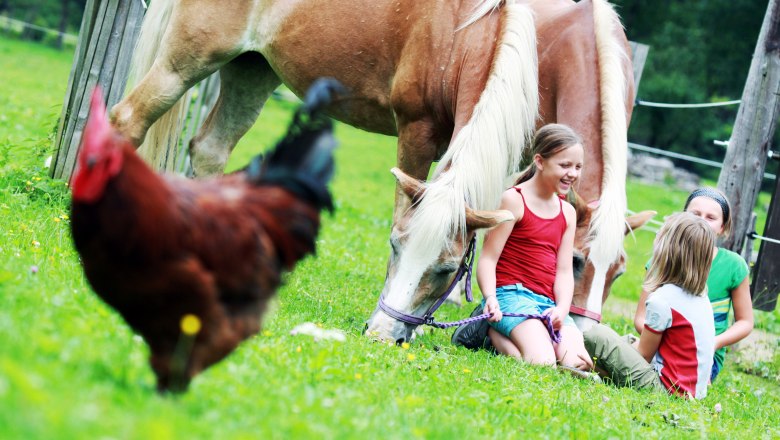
{"x": 515, "y": 298}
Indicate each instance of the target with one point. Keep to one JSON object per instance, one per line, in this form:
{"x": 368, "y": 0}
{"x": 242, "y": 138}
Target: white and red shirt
{"x": 684, "y": 357}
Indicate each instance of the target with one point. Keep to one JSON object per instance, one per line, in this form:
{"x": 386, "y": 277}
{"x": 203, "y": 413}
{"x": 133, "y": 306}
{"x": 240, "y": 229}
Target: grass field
{"x": 71, "y": 368}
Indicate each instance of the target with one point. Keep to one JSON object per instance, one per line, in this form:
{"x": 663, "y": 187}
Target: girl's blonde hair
{"x": 682, "y": 255}
{"x": 549, "y": 140}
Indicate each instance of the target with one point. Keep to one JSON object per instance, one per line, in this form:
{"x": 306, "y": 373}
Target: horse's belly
{"x": 305, "y": 45}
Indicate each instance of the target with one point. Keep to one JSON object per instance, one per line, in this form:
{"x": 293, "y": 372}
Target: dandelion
{"x": 466, "y": 370}
{"x": 28, "y": 183}
{"x": 298, "y": 349}
{"x": 405, "y": 345}
{"x": 410, "y": 357}
{"x": 64, "y": 217}
{"x": 190, "y": 324}
{"x": 267, "y": 333}
{"x": 36, "y": 178}
{"x": 358, "y": 376}
{"x": 56, "y": 220}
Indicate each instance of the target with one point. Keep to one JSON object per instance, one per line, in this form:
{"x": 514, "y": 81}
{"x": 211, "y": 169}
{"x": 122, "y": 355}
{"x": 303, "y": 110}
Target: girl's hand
{"x": 491, "y": 306}
{"x": 556, "y": 317}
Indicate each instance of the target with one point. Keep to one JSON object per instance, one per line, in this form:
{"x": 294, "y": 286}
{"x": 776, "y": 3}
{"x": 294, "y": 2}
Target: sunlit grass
{"x": 71, "y": 368}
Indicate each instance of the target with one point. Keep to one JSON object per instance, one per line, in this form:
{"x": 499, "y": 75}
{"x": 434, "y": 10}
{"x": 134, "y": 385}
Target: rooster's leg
{"x": 245, "y": 85}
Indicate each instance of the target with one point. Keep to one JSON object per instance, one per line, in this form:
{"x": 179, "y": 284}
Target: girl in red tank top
{"x": 526, "y": 266}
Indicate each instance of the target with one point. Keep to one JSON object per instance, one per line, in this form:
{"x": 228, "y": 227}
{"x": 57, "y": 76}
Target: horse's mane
{"x": 489, "y": 147}
{"x": 608, "y": 222}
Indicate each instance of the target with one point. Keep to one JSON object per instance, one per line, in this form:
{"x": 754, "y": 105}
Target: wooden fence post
{"x": 108, "y": 33}
{"x": 743, "y": 167}
{"x": 638, "y": 58}
{"x": 766, "y": 276}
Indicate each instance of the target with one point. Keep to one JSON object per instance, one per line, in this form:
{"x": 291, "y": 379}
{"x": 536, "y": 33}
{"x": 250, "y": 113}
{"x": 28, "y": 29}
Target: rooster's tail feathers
{"x": 302, "y": 162}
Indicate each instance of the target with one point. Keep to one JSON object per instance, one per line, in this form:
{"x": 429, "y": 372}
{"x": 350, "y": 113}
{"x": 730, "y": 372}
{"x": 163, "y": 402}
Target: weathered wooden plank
{"x": 766, "y": 272}
{"x": 78, "y": 96}
{"x": 758, "y": 113}
{"x": 638, "y": 57}
{"x": 85, "y": 35}
{"x": 89, "y": 79}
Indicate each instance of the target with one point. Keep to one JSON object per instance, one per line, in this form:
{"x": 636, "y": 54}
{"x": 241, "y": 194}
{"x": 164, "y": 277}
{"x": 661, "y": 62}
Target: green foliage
{"x": 71, "y": 368}
{"x": 699, "y": 52}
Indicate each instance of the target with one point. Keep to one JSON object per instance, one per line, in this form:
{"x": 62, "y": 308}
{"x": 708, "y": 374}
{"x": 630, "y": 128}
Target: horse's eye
{"x": 578, "y": 264}
{"x": 446, "y": 269}
{"x": 617, "y": 275}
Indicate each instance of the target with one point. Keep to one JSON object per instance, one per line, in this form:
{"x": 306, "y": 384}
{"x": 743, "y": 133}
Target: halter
{"x": 465, "y": 268}
{"x": 427, "y": 318}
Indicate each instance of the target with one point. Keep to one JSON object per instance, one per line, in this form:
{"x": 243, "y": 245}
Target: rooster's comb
{"x": 98, "y": 129}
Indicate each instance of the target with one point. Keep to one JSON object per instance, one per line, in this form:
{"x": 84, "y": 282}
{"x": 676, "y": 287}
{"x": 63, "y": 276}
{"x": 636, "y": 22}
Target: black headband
{"x": 714, "y": 195}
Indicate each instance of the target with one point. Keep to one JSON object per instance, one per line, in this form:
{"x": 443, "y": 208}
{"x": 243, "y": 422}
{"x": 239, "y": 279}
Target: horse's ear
{"x": 636, "y": 221}
{"x": 582, "y": 208}
{"x": 476, "y": 219}
{"x": 409, "y": 185}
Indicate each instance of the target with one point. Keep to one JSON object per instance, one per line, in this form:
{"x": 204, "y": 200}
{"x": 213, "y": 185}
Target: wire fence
{"x": 12, "y": 25}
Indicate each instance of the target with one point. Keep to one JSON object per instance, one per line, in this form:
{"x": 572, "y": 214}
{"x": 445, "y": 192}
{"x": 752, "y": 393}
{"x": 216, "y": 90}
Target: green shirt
{"x": 727, "y": 273}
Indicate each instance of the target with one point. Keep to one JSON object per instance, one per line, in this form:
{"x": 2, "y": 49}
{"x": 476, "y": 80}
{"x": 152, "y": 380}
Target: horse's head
{"x": 428, "y": 244}
{"x": 592, "y": 282}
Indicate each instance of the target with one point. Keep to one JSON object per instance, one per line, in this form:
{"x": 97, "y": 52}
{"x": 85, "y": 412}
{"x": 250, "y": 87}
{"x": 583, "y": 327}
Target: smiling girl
{"x": 526, "y": 265}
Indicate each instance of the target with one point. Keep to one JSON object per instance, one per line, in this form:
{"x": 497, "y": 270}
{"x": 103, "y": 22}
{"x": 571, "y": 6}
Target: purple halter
{"x": 427, "y": 318}
{"x": 465, "y": 268}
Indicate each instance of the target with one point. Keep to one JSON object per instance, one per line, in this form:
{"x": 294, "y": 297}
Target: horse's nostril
{"x": 400, "y": 341}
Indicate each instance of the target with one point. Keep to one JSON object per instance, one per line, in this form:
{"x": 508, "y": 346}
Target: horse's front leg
{"x": 245, "y": 85}
{"x": 416, "y": 152}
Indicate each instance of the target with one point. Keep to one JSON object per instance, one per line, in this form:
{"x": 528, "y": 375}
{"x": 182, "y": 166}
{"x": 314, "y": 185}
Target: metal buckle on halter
{"x": 428, "y": 319}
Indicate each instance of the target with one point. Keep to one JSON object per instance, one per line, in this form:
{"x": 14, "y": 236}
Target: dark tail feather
{"x": 302, "y": 162}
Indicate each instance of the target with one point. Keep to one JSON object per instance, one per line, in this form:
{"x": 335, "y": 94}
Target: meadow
{"x": 71, "y": 368}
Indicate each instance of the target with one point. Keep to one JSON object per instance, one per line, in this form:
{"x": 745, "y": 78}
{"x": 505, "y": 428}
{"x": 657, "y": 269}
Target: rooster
{"x": 190, "y": 265}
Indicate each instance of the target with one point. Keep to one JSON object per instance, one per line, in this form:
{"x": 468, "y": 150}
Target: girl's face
{"x": 709, "y": 210}
{"x": 561, "y": 170}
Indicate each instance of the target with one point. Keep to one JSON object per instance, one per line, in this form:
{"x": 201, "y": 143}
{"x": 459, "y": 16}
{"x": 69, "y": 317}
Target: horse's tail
{"x": 490, "y": 146}
{"x": 163, "y": 135}
{"x": 608, "y": 223}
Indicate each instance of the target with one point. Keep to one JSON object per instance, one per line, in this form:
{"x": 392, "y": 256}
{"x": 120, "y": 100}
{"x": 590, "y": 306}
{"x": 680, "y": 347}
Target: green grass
{"x": 71, "y": 368}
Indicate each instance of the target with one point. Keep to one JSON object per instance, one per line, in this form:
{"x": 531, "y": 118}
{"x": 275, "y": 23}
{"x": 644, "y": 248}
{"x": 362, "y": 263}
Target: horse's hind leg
{"x": 245, "y": 84}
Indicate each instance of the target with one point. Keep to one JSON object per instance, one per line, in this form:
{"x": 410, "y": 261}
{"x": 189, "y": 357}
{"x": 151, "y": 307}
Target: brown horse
{"x": 454, "y": 80}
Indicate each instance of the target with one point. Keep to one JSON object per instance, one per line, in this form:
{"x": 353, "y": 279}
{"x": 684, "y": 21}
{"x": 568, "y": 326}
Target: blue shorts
{"x": 515, "y": 298}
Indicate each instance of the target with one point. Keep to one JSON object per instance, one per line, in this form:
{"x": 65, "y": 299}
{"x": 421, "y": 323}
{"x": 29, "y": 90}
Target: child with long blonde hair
{"x": 675, "y": 350}
{"x": 728, "y": 284}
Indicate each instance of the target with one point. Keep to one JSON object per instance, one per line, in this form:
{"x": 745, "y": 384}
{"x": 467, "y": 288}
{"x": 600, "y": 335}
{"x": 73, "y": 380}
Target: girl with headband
{"x": 728, "y": 285}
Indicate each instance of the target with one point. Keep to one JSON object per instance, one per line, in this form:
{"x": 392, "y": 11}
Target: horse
{"x": 453, "y": 80}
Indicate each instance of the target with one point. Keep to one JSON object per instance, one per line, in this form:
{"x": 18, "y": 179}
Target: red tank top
{"x": 530, "y": 255}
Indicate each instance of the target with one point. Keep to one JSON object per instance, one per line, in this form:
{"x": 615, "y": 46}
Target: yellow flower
{"x": 267, "y": 333}
{"x": 405, "y": 345}
{"x": 56, "y": 219}
{"x": 190, "y": 324}
{"x": 64, "y": 216}
{"x": 410, "y": 357}
{"x": 466, "y": 370}
{"x": 298, "y": 349}
{"x": 36, "y": 178}
{"x": 358, "y": 376}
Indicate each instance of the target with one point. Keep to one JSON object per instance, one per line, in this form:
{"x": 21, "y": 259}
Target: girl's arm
{"x": 743, "y": 316}
{"x": 564, "y": 274}
{"x": 641, "y": 308}
{"x": 649, "y": 341}
{"x": 491, "y": 250}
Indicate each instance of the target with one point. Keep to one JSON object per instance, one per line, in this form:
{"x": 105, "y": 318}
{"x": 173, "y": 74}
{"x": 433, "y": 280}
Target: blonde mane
{"x": 607, "y": 225}
{"x": 489, "y": 147}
